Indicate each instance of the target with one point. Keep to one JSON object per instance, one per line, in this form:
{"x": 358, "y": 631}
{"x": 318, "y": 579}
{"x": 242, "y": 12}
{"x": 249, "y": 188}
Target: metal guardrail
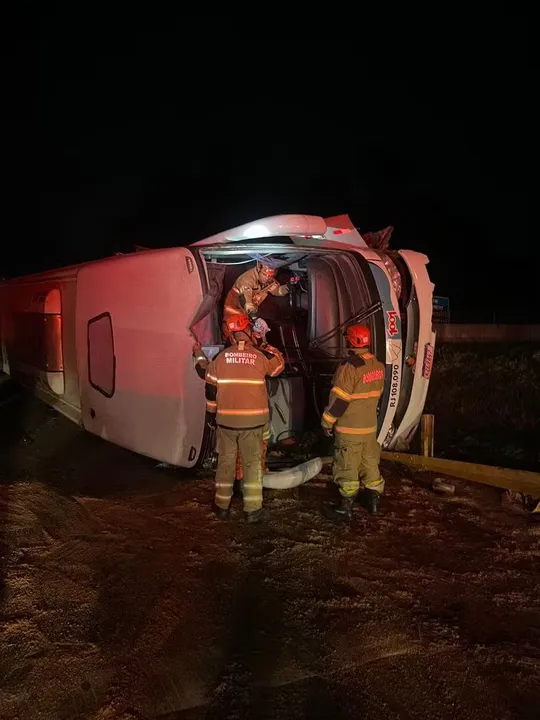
{"x": 517, "y": 480}
{"x": 521, "y": 481}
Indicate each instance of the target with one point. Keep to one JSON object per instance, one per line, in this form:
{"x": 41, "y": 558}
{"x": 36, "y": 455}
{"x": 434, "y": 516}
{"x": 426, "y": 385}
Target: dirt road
{"x": 123, "y": 597}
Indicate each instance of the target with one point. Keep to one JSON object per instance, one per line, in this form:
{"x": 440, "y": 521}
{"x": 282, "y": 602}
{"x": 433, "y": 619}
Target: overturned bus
{"x": 109, "y": 343}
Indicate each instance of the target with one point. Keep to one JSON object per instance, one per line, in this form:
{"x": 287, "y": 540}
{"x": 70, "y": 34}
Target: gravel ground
{"x": 123, "y": 597}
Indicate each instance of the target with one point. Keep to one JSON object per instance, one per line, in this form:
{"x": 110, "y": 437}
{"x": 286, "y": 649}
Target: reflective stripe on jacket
{"x": 357, "y": 387}
{"x": 236, "y": 384}
{"x": 248, "y": 293}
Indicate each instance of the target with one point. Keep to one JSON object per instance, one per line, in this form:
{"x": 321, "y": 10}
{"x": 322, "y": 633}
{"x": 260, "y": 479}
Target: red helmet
{"x": 359, "y": 335}
{"x": 237, "y": 323}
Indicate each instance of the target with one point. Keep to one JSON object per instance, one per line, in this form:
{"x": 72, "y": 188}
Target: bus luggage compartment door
{"x": 139, "y": 388}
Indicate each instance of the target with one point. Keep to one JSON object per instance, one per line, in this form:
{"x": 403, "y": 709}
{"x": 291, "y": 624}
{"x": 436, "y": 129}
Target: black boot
{"x": 370, "y": 500}
{"x": 256, "y": 516}
{"x": 220, "y": 512}
{"x": 341, "y": 512}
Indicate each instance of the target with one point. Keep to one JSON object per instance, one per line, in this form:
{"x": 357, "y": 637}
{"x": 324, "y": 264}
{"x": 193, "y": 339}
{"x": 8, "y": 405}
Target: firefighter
{"x": 259, "y": 331}
{"x": 250, "y": 290}
{"x": 351, "y": 415}
{"x": 237, "y": 397}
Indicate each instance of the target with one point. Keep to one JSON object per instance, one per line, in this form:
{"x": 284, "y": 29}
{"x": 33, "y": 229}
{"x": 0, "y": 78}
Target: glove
{"x": 328, "y": 432}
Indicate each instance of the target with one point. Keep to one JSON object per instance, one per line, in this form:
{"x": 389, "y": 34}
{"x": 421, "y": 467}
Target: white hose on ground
{"x": 293, "y": 477}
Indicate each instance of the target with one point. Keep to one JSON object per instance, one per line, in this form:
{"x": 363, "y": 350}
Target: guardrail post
{"x": 428, "y": 435}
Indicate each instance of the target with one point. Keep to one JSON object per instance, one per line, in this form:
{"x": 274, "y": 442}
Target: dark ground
{"x": 123, "y": 597}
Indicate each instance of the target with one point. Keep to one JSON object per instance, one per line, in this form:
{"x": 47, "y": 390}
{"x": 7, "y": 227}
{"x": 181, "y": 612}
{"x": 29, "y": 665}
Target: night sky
{"x": 159, "y": 132}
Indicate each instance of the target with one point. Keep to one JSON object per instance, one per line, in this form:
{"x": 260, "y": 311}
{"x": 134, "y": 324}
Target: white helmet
{"x": 260, "y": 328}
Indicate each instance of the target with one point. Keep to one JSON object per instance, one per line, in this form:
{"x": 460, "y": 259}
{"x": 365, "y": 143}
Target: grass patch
{"x": 486, "y": 402}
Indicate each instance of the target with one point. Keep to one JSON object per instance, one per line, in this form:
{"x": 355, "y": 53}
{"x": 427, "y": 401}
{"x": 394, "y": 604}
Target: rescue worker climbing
{"x": 236, "y": 395}
{"x": 251, "y": 289}
{"x": 351, "y": 415}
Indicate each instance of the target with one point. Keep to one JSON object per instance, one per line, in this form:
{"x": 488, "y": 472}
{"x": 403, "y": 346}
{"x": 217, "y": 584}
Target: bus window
{"x": 37, "y": 340}
{"x": 101, "y": 360}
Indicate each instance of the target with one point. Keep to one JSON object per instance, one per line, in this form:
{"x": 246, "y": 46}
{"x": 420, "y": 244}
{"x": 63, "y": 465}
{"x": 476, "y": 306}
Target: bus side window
{"x": 101, "y": 358}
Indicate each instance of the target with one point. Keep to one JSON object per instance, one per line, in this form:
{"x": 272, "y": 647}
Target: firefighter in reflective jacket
{"x": 251, "y": 289}
{"x": 352, "y": 415}
{"x": 258, "y": 336}
{"x": 259, "y": 330}
{"x": 236, "y": 394}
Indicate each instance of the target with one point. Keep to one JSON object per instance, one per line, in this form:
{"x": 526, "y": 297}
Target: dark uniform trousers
{"x": 248, "y": 443}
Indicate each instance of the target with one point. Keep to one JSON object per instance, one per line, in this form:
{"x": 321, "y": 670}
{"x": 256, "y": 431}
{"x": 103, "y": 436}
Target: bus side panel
{"x": 139, "y": 388}
{"x": 72, "y": 393}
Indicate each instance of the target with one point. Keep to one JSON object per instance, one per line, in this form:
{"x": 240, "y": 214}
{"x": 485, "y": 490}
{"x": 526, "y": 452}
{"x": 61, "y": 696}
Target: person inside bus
{"x": 251, "y": 289}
